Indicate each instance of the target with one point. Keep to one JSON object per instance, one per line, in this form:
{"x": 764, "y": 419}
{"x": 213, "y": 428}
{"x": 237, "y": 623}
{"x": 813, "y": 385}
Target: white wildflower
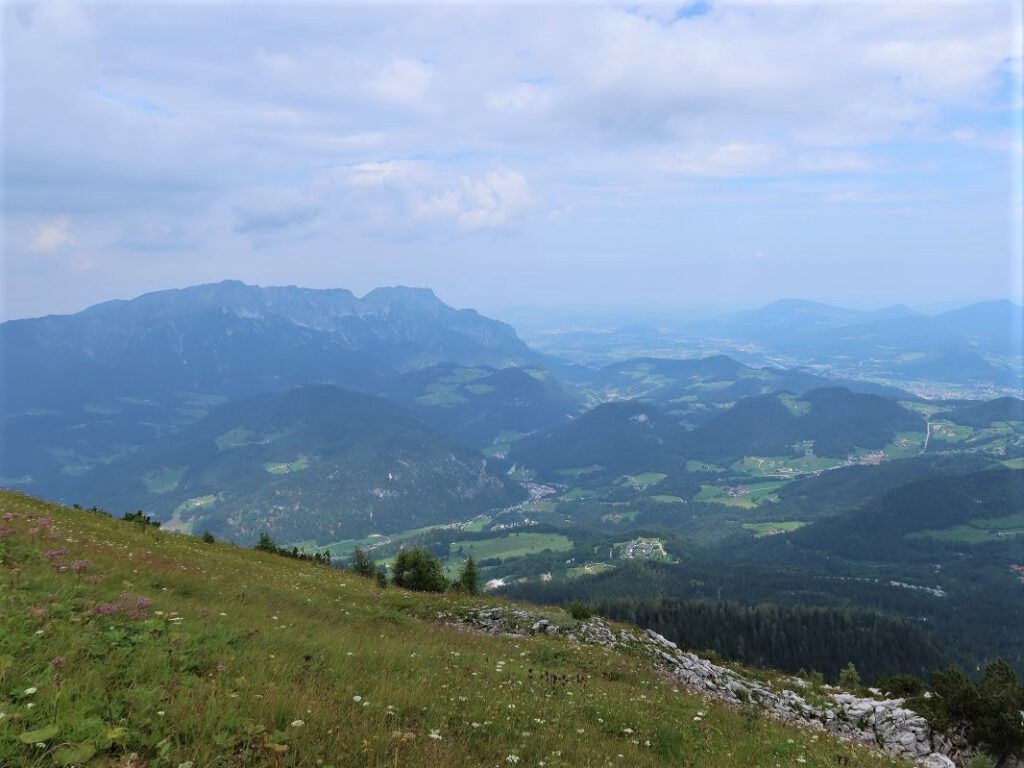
{"x": 298, "y": 723}
{"x": 30, "y": 691}
{"x": 512, "y": 759}
{"x": 357, "y": 699}
{"x": 435, "y": 734}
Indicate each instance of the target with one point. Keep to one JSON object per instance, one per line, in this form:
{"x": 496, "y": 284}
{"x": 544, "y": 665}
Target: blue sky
{"x": 679, "y": 157}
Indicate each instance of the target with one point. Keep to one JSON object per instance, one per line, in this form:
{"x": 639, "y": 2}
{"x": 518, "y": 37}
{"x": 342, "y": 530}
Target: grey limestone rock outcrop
{"x": 883, "y": 723}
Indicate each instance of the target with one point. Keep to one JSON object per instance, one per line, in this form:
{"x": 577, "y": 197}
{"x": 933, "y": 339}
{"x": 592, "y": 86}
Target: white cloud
{"x": 52, "y": 236}
{"x": 378, "y": 173}
{"x": 404, "y": 82}
{"x": 421, "y": 192}
{"x": 728, "y": 160}
{"x": 335, "y": 121}
{"x": 271, "y": 208}
{"x": 523, "y": 97}
{"x": 65, "y": 19}
{"x": 492, "y": 202}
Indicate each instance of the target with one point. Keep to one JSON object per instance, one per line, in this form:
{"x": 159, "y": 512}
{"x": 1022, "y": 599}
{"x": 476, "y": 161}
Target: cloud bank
{"x": 342, "y": 144}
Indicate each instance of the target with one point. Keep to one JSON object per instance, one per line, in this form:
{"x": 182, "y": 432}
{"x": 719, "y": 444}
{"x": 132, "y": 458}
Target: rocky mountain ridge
{"x": 874, "y": 722}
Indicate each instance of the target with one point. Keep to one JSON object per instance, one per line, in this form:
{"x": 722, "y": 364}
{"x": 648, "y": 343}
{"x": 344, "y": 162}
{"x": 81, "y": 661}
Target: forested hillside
{"x": 315, "y": 463}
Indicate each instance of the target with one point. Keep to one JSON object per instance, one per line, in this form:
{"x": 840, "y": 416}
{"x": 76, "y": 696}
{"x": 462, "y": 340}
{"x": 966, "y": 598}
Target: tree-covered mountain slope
{"x": 619, "y": 437}
{"x": 125, "y": 645}
{"x": 479, "y": 405}
{"x": 315, "y": 463}
{"x": 696, "y": 389}
{"x": 974, "y": 413}
{"x": 951, "y": 517}
{"x": 628, "y": 436}
{"x": 845, "y": 488}
{"x": 833, "y": 420}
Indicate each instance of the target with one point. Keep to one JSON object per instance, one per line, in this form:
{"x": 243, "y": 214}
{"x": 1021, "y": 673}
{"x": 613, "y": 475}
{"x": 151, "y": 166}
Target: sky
{"x": 710, "y": 155}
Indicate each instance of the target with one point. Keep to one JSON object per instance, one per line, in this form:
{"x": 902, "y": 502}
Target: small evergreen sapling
{"x": 849, "y": 678}
{"x": 469, "y": 580}
{"x": 361, "y": 564}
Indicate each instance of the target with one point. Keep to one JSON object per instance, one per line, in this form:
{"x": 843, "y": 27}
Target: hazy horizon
{"x": 663, "y": 157}
{"x": 613, "y": 313}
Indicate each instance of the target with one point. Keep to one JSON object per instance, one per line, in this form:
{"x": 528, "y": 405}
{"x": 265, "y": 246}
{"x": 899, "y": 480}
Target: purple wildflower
{"x": 133, "y": 606}
{"x": 57, "y": 665}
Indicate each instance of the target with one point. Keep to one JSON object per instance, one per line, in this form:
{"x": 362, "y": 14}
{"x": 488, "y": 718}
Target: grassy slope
{"x": 237, "y": 647}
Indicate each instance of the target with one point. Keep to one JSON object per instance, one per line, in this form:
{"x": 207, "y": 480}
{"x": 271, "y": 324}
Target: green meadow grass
{"x": 761, "y": 530}
{"x": 980, "y": 530}
{"x": 576, "y": 493}
{"x": 163, "y": 481}
{"x": 123, "y": 645}
{"x": 286, "y": 467}
{"x": 513, "y": 545}
{"x": 645, "y": 479}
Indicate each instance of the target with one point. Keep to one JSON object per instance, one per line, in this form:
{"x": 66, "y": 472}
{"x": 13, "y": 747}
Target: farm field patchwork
{"x": 746, "y": 496}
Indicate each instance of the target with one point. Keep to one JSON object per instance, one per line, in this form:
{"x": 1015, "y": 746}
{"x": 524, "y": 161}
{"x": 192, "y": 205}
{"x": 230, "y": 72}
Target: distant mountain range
{"x": 974, "y": 344}
{"x": 83, "y": 390}
{"x": 794, "y": 316}
{"x": 230, "y": 338}
{"x": 238, "y": 408}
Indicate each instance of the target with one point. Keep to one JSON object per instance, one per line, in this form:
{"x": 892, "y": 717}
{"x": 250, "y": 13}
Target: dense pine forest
{"x": 790, "y": 638}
